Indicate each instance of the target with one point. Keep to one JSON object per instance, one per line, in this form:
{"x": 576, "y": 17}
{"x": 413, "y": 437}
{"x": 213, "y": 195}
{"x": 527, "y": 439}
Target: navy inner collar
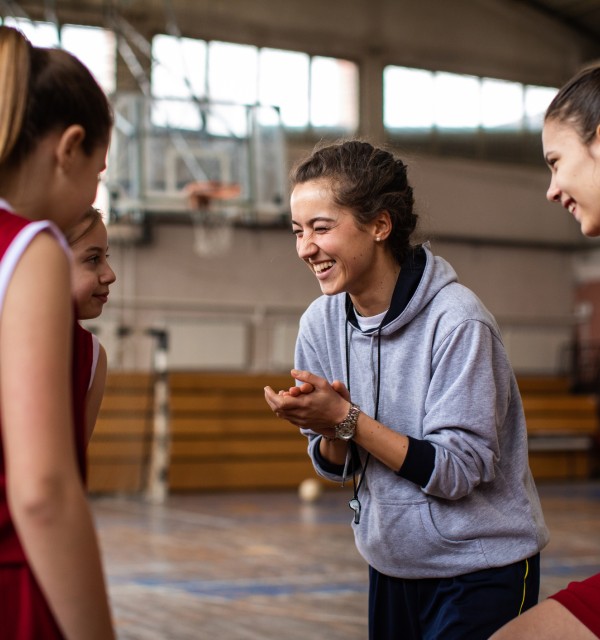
{"x": 410, "y": 275}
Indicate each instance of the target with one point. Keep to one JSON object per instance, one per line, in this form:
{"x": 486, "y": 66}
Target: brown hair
{"x": 578, "y": 103}
{"x": 43, "y": 90}
{"x": 367, "y": 180}
{"x": 90, "y": 219}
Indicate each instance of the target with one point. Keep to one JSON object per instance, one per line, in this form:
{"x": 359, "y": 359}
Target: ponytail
{"x": 15, "y": 56}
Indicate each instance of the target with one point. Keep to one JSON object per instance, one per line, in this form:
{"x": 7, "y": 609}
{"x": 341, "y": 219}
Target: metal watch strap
{"x": 346, "y": 429}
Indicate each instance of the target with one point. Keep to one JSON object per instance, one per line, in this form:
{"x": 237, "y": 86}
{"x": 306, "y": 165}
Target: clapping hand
{"x": 314, "y": 404}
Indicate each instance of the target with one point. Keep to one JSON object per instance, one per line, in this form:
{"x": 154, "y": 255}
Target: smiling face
{"x": 92, "y": 275}
{"x": 343, "y": 256}
{"x": 575, "y": 168}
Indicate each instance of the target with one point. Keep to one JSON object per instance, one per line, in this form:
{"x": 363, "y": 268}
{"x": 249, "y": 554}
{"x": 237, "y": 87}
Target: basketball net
{"x": 213, "y": 233}
{"x": 211, "y": 224}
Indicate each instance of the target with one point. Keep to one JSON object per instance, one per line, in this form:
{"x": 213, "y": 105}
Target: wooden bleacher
{"x": 225, "y": 437}
{"x": 562, "y": 428}
{"x": 119, "y": 448}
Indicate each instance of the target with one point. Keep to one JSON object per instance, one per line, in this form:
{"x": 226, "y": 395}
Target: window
{"x": 334, "y": 94}
{"x": 309, "y": 91}
{"x": 408, "y": 98}
{"x": 456, "y": 99}
{"x": 178, "y": 73}
{"x": 232, "y": 73}
{"x": 420, "y": 99}
{"x": 501, "y": 104}
{"x": 283, "y": 80}
{"x": 537, "y": 100}
{"x": 96, "y": 48}
{"x": 178, "y": 67}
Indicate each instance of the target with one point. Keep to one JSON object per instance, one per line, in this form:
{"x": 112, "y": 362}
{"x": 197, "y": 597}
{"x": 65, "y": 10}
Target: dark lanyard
{"x": 354, "y": 502}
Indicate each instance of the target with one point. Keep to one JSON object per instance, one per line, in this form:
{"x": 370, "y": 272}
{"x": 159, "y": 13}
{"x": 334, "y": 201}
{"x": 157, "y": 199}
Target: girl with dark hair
{"x": 404, "y": 389}
{"x": 571, "y": 140}
{"x": 55, "y": 124}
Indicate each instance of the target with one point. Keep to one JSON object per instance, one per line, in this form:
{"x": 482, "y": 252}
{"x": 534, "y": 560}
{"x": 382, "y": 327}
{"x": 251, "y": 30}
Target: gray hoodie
{"x": 446, "y": 382}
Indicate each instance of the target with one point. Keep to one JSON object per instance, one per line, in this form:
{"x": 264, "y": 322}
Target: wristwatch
{"x": 346, "y": 429}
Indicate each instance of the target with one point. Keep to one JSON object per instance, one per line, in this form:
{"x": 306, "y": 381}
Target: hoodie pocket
{"x": 402, "y": 539}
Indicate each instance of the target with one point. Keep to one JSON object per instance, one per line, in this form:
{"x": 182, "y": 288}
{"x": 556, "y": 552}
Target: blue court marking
{"x": 231, "y": 590}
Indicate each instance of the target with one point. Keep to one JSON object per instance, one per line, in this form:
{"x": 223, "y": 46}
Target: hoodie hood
{"x": 421, "y": 278}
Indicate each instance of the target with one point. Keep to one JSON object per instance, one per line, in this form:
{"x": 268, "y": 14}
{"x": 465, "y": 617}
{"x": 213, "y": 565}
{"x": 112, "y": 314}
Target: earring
{"x": 377, "y": 239}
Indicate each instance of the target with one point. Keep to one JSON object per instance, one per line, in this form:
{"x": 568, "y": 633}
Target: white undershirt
{"x": 368, "y": 323}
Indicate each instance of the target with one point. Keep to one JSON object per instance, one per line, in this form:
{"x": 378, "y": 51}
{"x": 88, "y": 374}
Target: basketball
{"x": 310, "y": 490}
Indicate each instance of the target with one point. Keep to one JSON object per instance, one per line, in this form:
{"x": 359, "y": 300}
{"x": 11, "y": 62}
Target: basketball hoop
{"x": 211, "y": 223}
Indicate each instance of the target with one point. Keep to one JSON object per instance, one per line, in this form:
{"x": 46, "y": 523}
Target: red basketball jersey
{"x": 24, "y": 613}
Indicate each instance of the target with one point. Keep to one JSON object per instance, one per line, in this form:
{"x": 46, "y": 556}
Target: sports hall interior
{"x": 207, "y": 526}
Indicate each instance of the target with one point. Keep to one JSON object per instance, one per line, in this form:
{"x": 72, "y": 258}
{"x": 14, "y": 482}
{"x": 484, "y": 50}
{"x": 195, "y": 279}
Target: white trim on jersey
{"x": 16, "y": 248}
{"x": 95, "y": 354}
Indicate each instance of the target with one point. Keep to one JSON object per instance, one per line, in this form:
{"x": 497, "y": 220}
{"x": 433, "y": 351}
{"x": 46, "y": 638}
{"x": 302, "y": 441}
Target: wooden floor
{"x": 255, "y": 566}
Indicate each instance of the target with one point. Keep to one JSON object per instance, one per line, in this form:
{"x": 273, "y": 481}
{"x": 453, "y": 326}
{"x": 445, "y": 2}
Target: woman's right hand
{"x": 315, "y": 404}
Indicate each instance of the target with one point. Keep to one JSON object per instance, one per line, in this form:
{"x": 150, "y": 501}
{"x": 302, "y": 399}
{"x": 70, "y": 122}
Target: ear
{"x": 594, "y": 145}
{"x": 69, "y": 145}
{"x": 382, "y": 226}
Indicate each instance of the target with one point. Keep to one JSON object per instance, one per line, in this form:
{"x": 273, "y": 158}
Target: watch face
{"x": 346, "y": 429}
{"x": 345, "y": 432}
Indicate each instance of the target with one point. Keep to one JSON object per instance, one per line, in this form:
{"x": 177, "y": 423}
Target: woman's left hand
{"x": 315, "y": 404}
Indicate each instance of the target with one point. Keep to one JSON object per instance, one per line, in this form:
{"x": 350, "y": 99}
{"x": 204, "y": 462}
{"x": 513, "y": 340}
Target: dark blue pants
{"x": 466, "y": 607}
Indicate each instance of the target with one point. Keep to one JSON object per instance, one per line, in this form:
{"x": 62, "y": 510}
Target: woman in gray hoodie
{"x": 404, "y": 388}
